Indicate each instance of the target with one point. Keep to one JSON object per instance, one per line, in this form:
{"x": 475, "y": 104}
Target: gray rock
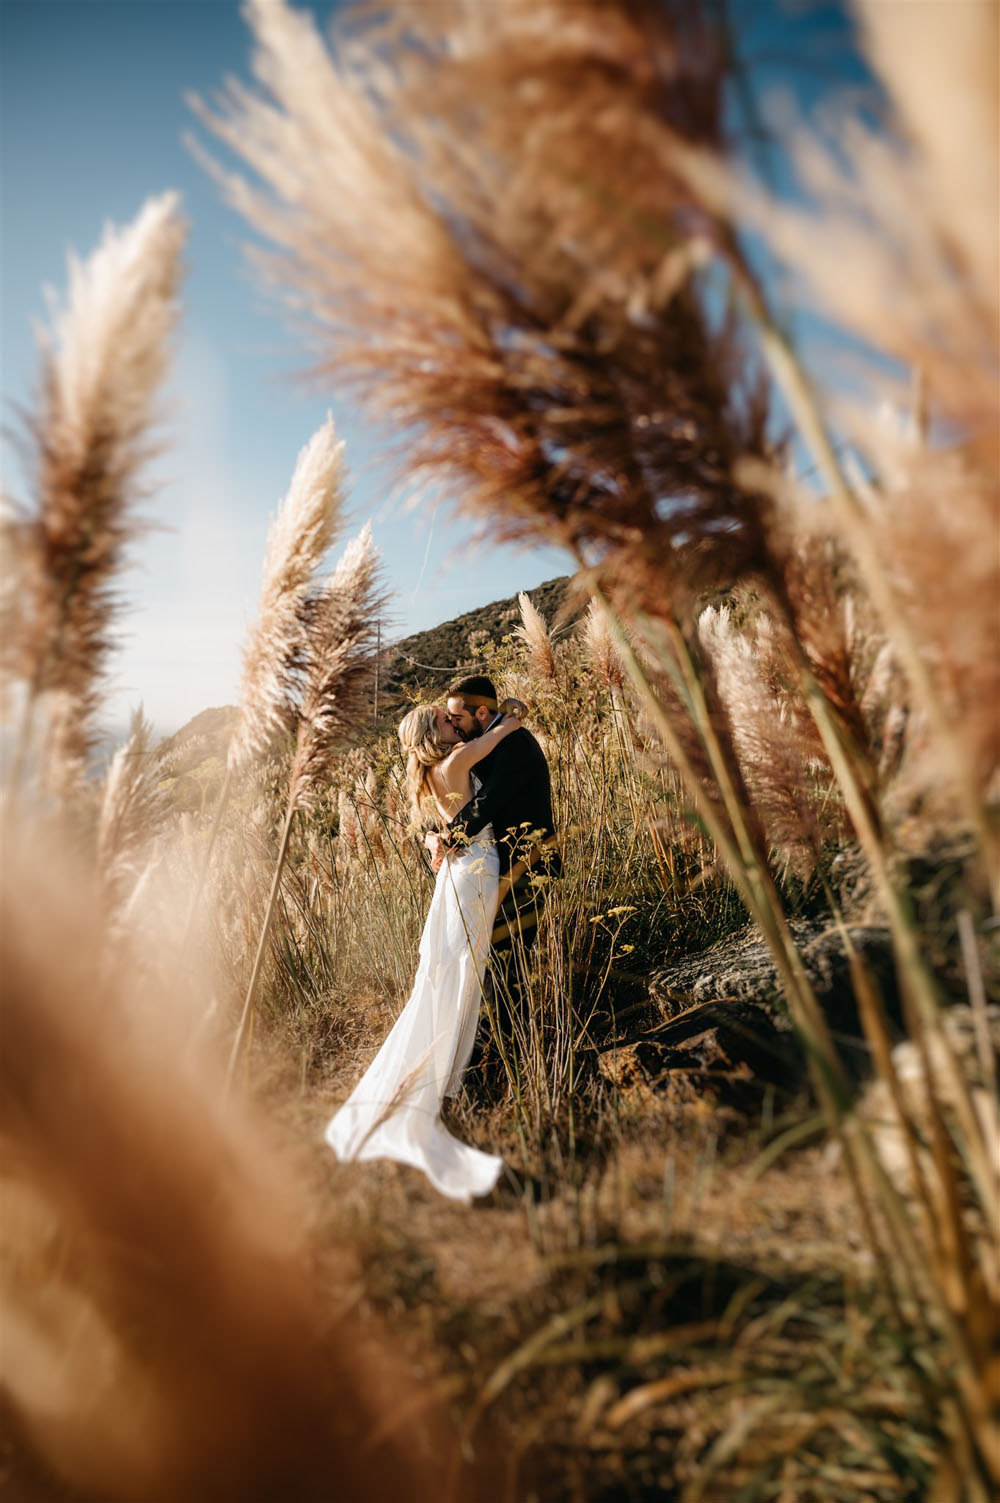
{"x": 727, "y": 1027}
{"x": 742, "y": 967}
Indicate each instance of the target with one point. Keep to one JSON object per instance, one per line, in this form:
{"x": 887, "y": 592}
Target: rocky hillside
{"x": 424, "y": 663}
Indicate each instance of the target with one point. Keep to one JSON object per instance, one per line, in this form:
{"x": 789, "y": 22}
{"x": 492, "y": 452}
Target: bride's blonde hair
{"x": 423, "y": 748}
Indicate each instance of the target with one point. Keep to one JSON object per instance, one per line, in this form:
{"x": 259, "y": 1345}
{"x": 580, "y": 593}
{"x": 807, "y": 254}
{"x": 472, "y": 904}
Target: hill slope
{"x": 424, "y": 663}
{"x": 414, "y": 667}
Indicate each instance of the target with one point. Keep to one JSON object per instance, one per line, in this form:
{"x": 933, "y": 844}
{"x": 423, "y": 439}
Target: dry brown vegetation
{"x": 746, "y": 1249}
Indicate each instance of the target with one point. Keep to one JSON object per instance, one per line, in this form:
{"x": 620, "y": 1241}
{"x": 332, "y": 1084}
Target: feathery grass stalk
{"x": 857, "y": 1144}
{"x": 132, "y": 809}
{"x": 342, "y": 627}
{"x": 340, "y": 635}
{"x": 104, "y": 362}
{"x": 273, "y": 662}
{"x": 245, "y": 1026}
{"x": 767, "y": 907}
{"x": 274, "y": 667}
{"x": 534, "y": 633}
{"x": 832, "y": 1087}
{"x": 913, "y": 970}
{"x": 801, "y": 399}
{"x": 737, "y": 847}
{"x": 770, "y": 918}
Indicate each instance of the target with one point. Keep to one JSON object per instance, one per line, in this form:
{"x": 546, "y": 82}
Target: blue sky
{"x": 92, "y": 119}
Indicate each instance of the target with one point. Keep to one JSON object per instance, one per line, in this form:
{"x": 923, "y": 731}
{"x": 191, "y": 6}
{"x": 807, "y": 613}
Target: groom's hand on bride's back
{"x": 440, "y": 845}
{"x": 436, "y": 849}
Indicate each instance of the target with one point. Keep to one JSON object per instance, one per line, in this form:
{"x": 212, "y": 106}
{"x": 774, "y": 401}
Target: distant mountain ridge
{"x": 205, "y": 735}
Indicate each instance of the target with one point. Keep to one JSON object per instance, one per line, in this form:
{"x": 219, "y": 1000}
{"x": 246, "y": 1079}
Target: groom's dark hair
{"x": 478, "y": 686}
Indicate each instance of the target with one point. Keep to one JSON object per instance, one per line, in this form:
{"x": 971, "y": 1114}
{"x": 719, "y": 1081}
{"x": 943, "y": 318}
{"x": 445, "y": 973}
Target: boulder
{"x": 723, "y": 1035}
{"x": 741, "y": 968}
{"x": 727, "y": 1052}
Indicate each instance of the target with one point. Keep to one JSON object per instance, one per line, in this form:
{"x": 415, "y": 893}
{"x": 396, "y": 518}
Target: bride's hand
{"x": 513, "y": 708}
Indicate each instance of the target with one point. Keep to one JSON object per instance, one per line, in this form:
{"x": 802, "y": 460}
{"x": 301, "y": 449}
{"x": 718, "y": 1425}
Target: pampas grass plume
{"x": 529, "y": 355}
{"x": 132, "y": 809}
{"x": 341, "y": 646}
{"x": 773, "y": 736}
{"x": 105, "y": 358}
{"x": 534, "y": 633}
{"x": 599, "y": 647}
{"x": 341, "y": 629}
{"x": 302, "y": 532}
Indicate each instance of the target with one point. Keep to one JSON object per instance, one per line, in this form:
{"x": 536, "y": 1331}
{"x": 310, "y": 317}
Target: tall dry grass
{"x": 571, "y": 384}
{"x": 166, "y": 1331}
{"x": 508, "y": 227}
{"x": 274, "y": 656}
{"x": 339, "y": 625}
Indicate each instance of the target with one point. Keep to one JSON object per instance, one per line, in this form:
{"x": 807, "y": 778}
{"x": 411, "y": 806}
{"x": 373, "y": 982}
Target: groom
{"x": 515, "y": 797}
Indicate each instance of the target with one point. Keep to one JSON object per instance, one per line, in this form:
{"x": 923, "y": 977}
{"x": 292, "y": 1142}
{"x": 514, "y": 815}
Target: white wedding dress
{"x": 394, "y": 1111}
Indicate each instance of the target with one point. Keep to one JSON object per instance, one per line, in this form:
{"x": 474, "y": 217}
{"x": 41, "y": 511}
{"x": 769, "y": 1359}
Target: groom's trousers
{"x": 523, "y": 893}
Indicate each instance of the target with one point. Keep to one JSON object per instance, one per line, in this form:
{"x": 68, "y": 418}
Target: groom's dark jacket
{"x": 515, "y": 797}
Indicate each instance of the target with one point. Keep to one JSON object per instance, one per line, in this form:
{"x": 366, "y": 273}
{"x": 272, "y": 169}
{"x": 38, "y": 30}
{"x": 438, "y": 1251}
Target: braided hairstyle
{"x": 423, "y": 748}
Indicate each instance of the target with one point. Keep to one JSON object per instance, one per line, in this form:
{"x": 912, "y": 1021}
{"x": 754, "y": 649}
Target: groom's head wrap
{"x": 474, "y": 701}
{"x": 476, "y": 692}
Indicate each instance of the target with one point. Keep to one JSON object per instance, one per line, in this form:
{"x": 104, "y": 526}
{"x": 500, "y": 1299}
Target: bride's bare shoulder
{"x": 448, "y": 793}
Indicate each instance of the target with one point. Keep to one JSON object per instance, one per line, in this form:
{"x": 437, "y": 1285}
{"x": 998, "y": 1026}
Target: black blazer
{"x": 515, "y": 796}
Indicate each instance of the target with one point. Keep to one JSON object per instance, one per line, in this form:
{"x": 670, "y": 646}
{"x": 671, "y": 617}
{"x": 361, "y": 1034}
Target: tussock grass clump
{"x": 695, "y": 1377}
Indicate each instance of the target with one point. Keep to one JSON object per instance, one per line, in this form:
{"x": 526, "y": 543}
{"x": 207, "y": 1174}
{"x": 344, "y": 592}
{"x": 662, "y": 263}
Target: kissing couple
{"x": 478, "y": 778}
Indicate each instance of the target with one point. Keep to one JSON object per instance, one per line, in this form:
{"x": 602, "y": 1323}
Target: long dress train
{"x": 394, "y": 1111}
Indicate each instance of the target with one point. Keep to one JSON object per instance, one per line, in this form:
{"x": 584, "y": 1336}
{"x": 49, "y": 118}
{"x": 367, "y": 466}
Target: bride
{"x": 394, "y": 1111}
